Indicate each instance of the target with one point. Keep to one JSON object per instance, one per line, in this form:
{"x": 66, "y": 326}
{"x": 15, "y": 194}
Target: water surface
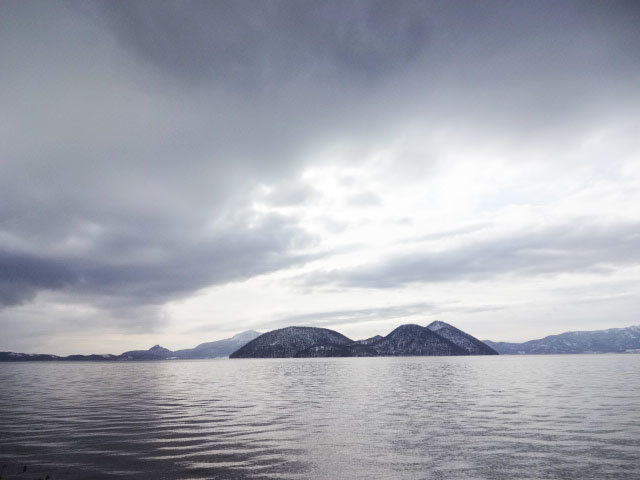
{"x": 506, "y": 417}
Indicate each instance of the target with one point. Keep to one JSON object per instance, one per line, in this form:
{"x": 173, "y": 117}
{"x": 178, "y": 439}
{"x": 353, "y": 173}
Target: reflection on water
{"x": 535, "y": 417}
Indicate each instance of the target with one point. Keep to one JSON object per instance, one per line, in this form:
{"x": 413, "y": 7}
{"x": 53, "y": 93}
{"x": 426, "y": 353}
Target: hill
{"x": 406, "y": 340}
{"x": 154, "y": 353}
{"x": 287, "y": 342}
{"x": 410, "y": 340}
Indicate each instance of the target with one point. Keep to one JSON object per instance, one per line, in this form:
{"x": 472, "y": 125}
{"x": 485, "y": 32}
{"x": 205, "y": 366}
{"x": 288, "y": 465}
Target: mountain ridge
{"x": 462, "y": 339}
{"x": 415, "y": 340}
{"x": 611, "y": 340}
{"x": 218, "y": 348}
{"x": 215, "y": 349}
{"x": 405, "y": 340}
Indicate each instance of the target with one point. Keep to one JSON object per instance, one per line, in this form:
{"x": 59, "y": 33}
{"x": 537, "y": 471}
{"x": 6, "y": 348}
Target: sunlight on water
{"x": 552, "y": 417}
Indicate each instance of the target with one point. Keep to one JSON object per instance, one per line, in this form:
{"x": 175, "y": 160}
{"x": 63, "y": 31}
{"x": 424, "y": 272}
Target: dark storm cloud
{"x": 584, "y": 246}
{"x": 252, "y": 44}
{"x": 111, "y": 189}
{"x": 23, "y": 275}
{"x": 127, "y": 182}
{"x": 167, "y": 270}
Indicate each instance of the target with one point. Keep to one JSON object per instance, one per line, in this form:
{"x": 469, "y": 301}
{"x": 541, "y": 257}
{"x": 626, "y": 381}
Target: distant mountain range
{"x": 613, "y": 340}
{"x": 470, "y": 344}
{"x": 220, "y": 348}
{"x": 438, "y": 338}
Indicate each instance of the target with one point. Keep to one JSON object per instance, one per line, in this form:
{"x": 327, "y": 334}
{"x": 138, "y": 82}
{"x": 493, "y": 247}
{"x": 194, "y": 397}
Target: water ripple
{"x": 533, "y": 417}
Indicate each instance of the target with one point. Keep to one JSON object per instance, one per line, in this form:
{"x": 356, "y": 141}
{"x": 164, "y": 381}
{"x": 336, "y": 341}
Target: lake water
{"x": 507, "y": 417}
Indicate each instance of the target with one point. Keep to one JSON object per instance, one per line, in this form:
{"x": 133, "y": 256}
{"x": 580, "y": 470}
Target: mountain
{"x": 405, "y": 340}
{"x": 613, "y": 340}
{"x": 287, "y": 342}
{"x": 154, "y": 353}
{"x": 44, "y": 357}
{"x": 437, "y": 338}
{"x": 220, "y": 348}
{"x": 408, "y": 340}
{"x": 27, "y": 357}
{"x": 470, "y": 344}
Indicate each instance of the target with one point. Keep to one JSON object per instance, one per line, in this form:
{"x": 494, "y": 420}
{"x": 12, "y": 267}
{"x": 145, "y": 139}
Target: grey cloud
{"x": 585, "y": 245}
{"x": 290, "y": 194}
{"x": 133, "y": 270}
{"x": 252, "y": 44}
{"x": 338, "y": 317}
{"x": 23, "y": 275}
{"x": 113, "y": 188}
{"x": 343, "y": 317}
{"x": 364, "y": 199}
{"x": 350, "y": 316}
{"x": 604, "y": 287}
{"x": 35, "y": 328}
{"x": 467, "y": 229}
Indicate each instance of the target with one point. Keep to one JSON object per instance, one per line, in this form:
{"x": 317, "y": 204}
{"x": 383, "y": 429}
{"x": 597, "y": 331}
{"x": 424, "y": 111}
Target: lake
{"x": 505, "y": 417}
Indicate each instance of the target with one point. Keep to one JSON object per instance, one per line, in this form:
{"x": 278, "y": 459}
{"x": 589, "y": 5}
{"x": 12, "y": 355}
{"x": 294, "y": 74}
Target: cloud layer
{"x": 581, "y": 246}
{"x": 158, "y": 155}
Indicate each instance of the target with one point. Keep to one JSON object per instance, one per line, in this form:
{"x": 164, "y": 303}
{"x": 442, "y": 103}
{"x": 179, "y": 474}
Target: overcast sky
{"x": 175, "y": 172}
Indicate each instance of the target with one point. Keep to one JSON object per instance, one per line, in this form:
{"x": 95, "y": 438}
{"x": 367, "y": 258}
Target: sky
{"x": 176, "y": 172}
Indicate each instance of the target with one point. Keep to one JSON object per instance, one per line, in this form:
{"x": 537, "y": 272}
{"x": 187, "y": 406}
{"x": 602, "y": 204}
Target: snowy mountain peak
{"x": 247, "y": 335}
{"x": 463, "y": 340}
{"x": 437, "y": 325}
